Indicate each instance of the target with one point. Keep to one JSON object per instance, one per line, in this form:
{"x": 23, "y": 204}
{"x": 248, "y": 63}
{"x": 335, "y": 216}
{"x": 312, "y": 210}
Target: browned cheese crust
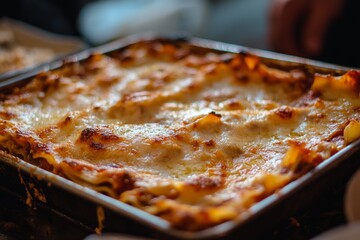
{"x": 194, "y": 137}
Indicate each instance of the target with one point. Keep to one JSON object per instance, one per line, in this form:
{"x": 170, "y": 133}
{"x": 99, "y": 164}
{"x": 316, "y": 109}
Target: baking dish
{"x": 245, "y": 225}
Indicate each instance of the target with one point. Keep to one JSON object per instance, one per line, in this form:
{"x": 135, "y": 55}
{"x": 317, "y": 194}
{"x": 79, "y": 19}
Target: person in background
{"x": 240, "y": 22}
{"x": 321, "y": 29}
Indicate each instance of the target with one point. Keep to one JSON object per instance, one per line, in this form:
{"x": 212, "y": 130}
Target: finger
{"x": 285, "y": 17}
{"x": 318, "y": 24}
{"x": 273, "y": 28}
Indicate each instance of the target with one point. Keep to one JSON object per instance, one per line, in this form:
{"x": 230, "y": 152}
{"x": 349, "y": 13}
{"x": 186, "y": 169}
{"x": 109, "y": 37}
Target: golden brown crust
{"x": 194, "y": 137}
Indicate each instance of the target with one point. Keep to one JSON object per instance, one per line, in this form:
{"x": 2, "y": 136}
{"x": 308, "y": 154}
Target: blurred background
{"x": 243, "y": 22}
{"x": 234, "y": 21}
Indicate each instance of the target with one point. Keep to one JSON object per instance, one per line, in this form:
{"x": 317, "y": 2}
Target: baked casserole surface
{"x": 194, "y": 137}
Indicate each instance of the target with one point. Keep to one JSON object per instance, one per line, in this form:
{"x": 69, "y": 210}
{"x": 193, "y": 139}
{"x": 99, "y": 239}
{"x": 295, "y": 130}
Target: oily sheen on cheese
{"x": 193, "y": 137}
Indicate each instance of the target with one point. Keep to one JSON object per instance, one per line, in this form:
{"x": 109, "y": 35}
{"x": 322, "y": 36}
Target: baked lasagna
{"x": 15, "y": 56}
{"x": 194, "y": 136}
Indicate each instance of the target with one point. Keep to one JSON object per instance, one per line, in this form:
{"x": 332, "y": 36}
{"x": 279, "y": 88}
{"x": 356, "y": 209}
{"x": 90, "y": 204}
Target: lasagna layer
{"x": 194, "y": 137}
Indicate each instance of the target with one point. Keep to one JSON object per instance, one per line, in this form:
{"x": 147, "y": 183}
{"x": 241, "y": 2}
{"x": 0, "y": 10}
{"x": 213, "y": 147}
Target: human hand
{"x": 298, "y": 27}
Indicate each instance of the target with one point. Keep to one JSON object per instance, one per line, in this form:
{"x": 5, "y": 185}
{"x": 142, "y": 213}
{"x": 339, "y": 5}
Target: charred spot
{"x": 192, "y": 86}
{"x": 241, "y": 77}
{"x": 356, "y": 109}
{"x": 243, "y": 53}
{"x": 158, "y": 140}
{"x": 66, "y": 121}
{"x": 354, "y": 78}
{"x": 94, "y": 57}
{"x": 62, "y": 149}
{"x": 195, "y": 144}
{"x": 210, "y": 143}
{"x": 22, "y": 135}
{"x": 71, "y": 67}
{"x": 97, "y": 108}
{"x": 3, "y": 96}
{"x": 73, "y": 164}
{"x": 185, "y": 122}
{"x": 215, "y": 114}
{"x": 7, "y": 115}
{"x": 40, "y": 147}
{"x": 87, "y": 134}
{"x": 93, "y": 63}
{"x": 284, "y": 112}
{"x": 125, "y": 56}
{"x": 96, "y": 137}
{"x": 107, "y": 80}
{"x": 123, "y": 182}
{"x": 179, "y": 136}
{"x": 46, "y": 80}
{"x": 161, "y": 48}
{"x": 307, "y": 99}
{"x": 42, "y": 163}
{"x": 154, "y": 48}
{"x": 253, "y": 150}
{"x": 168, "y": 49}
{"x": 108, "y": 136}
{"x": 102, "y": 134}
{"x": 77, "y": 166}
{"x": 304, "y": 167}
{"x": 97, "y": 146}
{"x": 236, "y": 63}
{"x": 42, "y": 76}
{"x": 304, "y": 77}
{"x": 205, "y": 182}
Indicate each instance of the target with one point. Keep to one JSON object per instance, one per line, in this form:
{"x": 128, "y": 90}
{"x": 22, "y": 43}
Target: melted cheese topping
{"x": 196, "y": 139}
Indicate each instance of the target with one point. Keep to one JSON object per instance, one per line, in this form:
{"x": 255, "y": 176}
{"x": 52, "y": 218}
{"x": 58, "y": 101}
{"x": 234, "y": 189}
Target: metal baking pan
{"x": 103, "y": 213}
